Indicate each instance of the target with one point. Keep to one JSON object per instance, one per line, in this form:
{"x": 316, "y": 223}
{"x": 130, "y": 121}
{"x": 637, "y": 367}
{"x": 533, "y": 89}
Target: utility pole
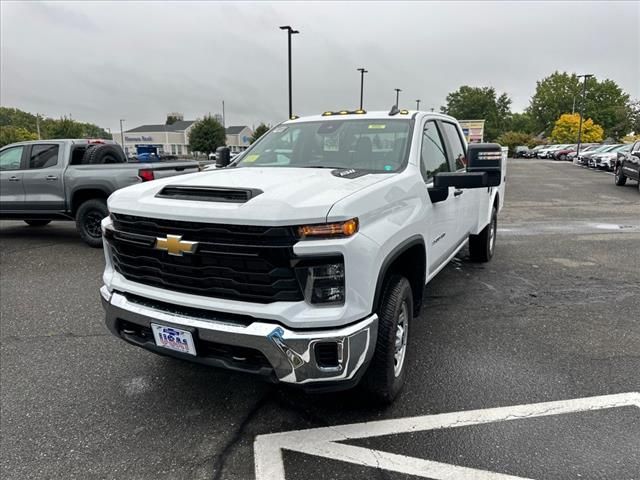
{"x": 122, "y": 133}
{"x": 362, "y": 72}
{"x": 290, "y": 31}
{"x": 398, "y": 97}
{"x": 584, "y": 96}
{"x": 38, "y": 125}
{"x": 417, "y": 104}
{"x": 223, "y": 117}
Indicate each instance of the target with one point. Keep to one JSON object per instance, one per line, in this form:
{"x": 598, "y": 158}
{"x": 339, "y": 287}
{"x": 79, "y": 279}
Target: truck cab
{"x": 305, "y": 260}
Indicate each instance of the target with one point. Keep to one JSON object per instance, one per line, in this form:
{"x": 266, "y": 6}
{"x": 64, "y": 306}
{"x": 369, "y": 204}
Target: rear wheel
{"x": 37, "y": 223}
{"x": 88, "y": 219}
{"x": 563, "y": 156}
{"x": 387, "y": 372}
{"x": 481, "y": 246}
{"x": 619, "y": 177}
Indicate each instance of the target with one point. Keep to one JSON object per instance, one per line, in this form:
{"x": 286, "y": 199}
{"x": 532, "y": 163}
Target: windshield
{"x": 374, "y": 145}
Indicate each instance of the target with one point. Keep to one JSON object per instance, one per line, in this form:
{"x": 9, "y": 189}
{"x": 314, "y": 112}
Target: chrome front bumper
{"x": 290, "y": 353}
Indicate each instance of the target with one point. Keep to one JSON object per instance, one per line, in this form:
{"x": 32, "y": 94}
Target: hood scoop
{"x": 208, "y": 194}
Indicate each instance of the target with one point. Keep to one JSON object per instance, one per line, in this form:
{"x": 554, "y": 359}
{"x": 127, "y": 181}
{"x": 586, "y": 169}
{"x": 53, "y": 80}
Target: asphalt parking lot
{"x": 555, "y": 317}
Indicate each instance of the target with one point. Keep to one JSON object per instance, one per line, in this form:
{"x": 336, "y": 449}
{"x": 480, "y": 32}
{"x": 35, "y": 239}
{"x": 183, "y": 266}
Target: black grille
{"x": 208, "y": 194}
{"x": 235, "y": 262}
{"x": 326, "y": 354}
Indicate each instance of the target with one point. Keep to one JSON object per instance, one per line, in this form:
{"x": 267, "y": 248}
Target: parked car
{"x": 521, "y": 151}
{"x": 47, "y": 180}
{"x": 607, "y": 160}
{"x": 583, "y": 149}
{"x": 533, "y": 153}
{"x": 563, "y": 153}
{"x": 585, "y": 155}
{"x": 284, "y": 263}
{"x": 628, "y": 165}
{"x": 591, "y": 159}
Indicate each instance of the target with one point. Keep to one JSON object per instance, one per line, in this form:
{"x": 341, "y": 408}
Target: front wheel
{"x": 619, "y": 177}
{"x": 88, "y": 219}
{"x": 387, "y": 372}
{"x": 481, "y": 246}
{"x": 37, "y": 223}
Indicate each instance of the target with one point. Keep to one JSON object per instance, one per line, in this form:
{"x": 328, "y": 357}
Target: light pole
{"x": 397, "y": 96}
{"x": 290, "y": 31}
{"x": 362, "y": 72}
{"x": 122, "y": 134}
{"x": 417, "y": 104}
{"x": 584, "y": 96}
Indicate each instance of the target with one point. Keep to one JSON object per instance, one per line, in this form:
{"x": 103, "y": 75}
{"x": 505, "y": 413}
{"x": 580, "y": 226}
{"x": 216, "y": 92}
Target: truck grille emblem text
{"x": 174, "y": 245}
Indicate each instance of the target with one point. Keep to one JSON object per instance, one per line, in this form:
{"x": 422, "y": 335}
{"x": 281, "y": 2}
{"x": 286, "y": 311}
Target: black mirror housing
{"x": 223, "y": 157}
{"x": 461, "y": 180}
{"x": 487, "y": 158}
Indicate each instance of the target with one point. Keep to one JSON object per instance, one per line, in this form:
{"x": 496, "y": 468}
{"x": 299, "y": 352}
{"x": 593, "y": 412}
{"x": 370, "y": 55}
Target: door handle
{"x": 14, "y": 179}
{"x": 51, "y": 177}
{"x": 457, "y": 193}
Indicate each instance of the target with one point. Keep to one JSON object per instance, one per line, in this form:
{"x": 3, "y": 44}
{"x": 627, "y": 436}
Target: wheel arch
{"x": 402, "y": 259}
{"x": 81, "y": 195}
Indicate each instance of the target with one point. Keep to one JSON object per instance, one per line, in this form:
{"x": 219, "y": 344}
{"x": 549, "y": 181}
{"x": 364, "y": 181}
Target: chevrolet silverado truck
{"x": 305, "y": 260}
{"x": 627, "y": 165}
{"x": 47, "y": 180}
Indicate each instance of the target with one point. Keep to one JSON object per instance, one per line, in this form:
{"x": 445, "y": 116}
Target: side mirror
{"x": 487, "y": 158}
{"x": 223, "y": 157}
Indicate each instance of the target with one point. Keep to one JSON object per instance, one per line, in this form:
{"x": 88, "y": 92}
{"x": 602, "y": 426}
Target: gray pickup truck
{"x": 47, "y": 180}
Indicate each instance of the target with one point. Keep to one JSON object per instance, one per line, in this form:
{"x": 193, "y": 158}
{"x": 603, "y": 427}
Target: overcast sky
{"x": 102, "y": 61}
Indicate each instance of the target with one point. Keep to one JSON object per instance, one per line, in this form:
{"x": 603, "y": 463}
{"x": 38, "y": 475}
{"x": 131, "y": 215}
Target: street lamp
{"x": 584, "y": 94}
{"x": 122, "y": 133}
{"x": 362, "y": 72}
{"x": 290, "y": 31}
{"x": 417, "y": 104}
{"x": 397, "y": 97}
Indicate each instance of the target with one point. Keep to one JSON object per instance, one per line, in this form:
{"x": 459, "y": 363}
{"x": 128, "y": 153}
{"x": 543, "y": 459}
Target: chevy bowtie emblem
{"x": 175, "y": 245}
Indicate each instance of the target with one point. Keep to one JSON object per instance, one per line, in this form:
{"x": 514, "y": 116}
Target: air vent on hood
{"x": 209, "y": 194}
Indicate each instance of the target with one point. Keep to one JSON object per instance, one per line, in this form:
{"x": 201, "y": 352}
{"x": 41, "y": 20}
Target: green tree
{"x": 259, "y": 131}
{"x": 522, "y": 122}
{"x": 65, "y": 128}
{"x": 634, "y": 108}
{"x": 171, "y": 119}
{"x": 10, "y": 134}
{"x": 605, "y": 103}
{"x": 471, "y": 103}
{"x": 206, "y": 135}
{"x": 566, "y": 128}
{"x": 515, "y": 139}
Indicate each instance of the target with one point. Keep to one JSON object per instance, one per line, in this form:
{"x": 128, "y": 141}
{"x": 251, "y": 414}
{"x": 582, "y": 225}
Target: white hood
{"x": 290, "y": 196}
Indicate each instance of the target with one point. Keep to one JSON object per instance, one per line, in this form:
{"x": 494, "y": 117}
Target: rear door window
{"x": 43, "y": 156}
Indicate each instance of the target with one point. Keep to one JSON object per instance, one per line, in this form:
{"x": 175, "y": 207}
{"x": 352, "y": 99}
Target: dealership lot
{"x": 553, "y": 317}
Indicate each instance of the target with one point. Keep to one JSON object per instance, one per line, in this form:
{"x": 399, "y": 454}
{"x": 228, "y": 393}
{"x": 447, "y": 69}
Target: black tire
{"x": 618, "y": 177}
{"x": 88, "y": 218}
{"x": 37, "y": 223}
{"x": 482, "y": 246}
{"x": 387, "y": 372}
{"x": 103, "y": 153}
{"x": 563, "y": 156}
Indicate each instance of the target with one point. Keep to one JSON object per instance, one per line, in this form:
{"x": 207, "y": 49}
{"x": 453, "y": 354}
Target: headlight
{"x": 329, "y": 230}
{"x": 322, "y": 280}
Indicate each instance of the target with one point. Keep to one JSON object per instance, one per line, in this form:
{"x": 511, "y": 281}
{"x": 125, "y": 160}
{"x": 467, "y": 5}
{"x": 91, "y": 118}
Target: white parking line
{"x": 322, "y": 442}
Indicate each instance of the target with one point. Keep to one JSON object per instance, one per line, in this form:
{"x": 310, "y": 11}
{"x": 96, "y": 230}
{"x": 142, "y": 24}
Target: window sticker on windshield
{"x": 377, "y": 126}
{"x": 331, "y": 143}
{"x": 281, "y": 129}
{"x": 251, "y": 158}
{"x": 388, "y": 168}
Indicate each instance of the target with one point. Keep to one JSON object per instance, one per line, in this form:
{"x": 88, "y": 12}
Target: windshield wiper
{"x": 315, "y": 166}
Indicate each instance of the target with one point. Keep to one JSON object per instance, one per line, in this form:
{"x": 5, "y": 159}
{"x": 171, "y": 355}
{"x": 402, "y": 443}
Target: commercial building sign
{"x": 142, "y": 138}
{"x": 473, "y": 130}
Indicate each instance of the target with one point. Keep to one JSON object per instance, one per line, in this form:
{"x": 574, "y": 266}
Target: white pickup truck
{"x": 305, "y": 260}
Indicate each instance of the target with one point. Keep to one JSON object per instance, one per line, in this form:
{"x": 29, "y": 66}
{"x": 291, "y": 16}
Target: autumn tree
{"x": 567, "y": 126}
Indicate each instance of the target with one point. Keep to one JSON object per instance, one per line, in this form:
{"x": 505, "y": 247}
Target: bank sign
{"x": 142, "y": 138}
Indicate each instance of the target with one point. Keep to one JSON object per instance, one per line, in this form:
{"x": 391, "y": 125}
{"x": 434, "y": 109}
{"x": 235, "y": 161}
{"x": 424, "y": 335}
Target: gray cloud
{"x": 102, "y": 61}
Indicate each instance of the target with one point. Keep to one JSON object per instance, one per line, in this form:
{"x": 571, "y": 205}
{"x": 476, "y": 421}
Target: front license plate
{"x": 173, "y": 338}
